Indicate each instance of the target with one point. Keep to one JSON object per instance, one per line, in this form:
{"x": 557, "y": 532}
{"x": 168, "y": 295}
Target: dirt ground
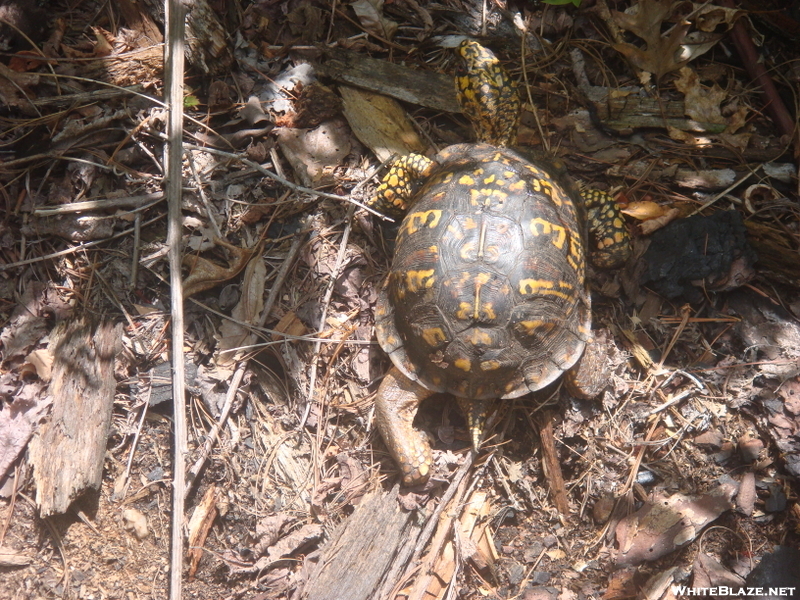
{"x": 683, "y": 472}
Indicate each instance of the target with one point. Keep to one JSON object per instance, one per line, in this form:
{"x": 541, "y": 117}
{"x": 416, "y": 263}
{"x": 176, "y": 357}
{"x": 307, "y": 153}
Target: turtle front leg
{"x": 395, "y": 408}
{"x": 398, "y": 186}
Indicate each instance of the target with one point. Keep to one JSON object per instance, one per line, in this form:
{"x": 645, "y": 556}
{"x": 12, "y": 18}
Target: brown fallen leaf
{"x": 370, "y": 14}
{"x": 205, "y": 274}
{"x": 234, "y": 334}
{"x": 380, "y": 123}
{"x": 660, "y": 56}
{"x": 651, "y": 225}
{"x": 662, "y": 524}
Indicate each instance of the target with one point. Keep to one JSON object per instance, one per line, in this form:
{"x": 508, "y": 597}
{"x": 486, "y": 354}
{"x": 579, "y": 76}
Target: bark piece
{"x": 423, "y": 88}
{"x": 67, "y": 453}
{"x": 361, "y": 551}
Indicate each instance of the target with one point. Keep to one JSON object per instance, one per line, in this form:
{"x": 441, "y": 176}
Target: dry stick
{"x": 74, "y": 249}
{"x": 213, "y": 435}
{"x": 774, "y": 107}
{"x": 312, "y": 379}
{"x": 550, "y": 459}
{"x": 173, "y": 86}
{"x": 286, "y": 182}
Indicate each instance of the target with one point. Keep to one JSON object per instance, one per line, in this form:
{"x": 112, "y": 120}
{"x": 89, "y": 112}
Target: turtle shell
{"x": 486, "y": 296}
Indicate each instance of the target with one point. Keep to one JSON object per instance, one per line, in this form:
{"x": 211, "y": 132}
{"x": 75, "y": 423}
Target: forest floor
{"x": 684, "y": 472}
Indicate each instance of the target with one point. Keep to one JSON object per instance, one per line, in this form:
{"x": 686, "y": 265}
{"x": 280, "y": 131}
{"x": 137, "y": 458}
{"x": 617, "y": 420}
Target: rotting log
{"x": 361, "y": 551}
{"x": 67, "y": 452}
{"x": 423, "y": 88}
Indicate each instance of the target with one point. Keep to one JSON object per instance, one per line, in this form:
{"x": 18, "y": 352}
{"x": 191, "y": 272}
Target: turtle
{"x": 486, "y": 297}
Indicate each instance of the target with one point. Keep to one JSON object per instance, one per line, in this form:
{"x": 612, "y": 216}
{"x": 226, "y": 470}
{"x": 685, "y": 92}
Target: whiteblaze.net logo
{"x": 724, "y": 590}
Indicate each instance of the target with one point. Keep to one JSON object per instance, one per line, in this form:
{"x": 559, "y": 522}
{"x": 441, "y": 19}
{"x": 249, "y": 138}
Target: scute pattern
{"x": 485, "y": 298}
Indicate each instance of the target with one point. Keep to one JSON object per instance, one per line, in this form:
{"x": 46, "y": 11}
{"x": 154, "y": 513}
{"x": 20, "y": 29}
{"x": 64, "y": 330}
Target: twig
{"x": 204, "y": 198}
{"x": 173, "y": 86}
{"x": 233, "y": 387}
{"x": 78, "y": 248}
{"x": 135, "y": 202}
{"x": 286, "y": 182}
{"x": 774, "y": 105}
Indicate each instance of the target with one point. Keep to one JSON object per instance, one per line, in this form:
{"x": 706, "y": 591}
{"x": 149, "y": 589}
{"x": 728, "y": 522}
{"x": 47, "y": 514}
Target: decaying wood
{"x": 361, "y": 550}
{"x": 68, "y": 450}
{"x": 423, "y": 88}
{"x": 552, "y": 462}
{"x": 777, "y": 251}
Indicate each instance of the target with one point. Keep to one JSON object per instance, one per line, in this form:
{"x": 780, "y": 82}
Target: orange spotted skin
{"x": 486, "y": 297}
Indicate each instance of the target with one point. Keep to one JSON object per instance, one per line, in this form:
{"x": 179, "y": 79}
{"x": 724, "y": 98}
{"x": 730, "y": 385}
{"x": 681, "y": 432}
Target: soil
{"x": 683, "y": 472}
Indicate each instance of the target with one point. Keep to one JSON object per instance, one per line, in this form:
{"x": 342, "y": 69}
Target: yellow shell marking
{"x": 433, "y": 336}
{"x": 464, "y": 310}
{"x": 480, "y": 338}
{"x": 417, "y": 220}
{"x": 419, "y": 280}
{"x": 490, "y": 365}
{"x": 531, "y": 327}
{"x": 529, "y": 287}
{"x": 467, "y": 251}
{"x": 463, "y": 364}
{"x": 466, "y": 180}
{"x": 455, "y": 232}
{"x": 547, "y": 228}
{"x": 488, "y": 311}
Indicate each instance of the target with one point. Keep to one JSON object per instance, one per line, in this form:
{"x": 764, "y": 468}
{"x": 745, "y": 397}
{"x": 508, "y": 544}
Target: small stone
{"x": 550, "y": 540}
{"x": 601, "y": 510}
{"x": 750, "y": 448}
{"x": 709, "y": 439}
{"x": 532, "y": 552}
{"x": 135, "y": 522}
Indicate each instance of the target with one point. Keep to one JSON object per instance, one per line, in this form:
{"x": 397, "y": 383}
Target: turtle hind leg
{"x": 395, "y": 408}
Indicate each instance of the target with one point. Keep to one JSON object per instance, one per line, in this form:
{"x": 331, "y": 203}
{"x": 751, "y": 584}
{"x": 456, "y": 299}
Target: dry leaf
{"x": 18, "y": 421}
{"x": 660, "y": 56}
{"x": 380, "y": 123}
{"x": 14, "y": 87}
{"x": 233, "y": 334}
{"x": 652, "y": 225}
{"x": 664, "y": 54}
{"x": 103, "y": 46}
{"x": 205, "y": 274}
{"x": 708, "y": 17}
{"x": 370, "y": 13}
{"x": 664, "y": 524}
{"x": 291, "y": 325}
{"x": 42, "y": 361}
{"x": 644, "y": 210}
{"x": 702, "y": 104}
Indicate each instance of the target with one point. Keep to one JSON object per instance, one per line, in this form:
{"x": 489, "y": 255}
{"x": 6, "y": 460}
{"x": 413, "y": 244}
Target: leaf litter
{"x": 298, "y": 455}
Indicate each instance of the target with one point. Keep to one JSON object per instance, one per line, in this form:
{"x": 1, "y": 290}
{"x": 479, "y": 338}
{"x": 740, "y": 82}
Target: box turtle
{"x": 486, "y": 297}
